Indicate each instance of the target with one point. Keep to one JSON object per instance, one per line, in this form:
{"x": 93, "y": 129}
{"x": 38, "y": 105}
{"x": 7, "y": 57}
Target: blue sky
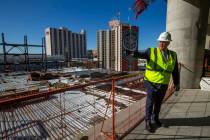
{"x": 31, "y": 17}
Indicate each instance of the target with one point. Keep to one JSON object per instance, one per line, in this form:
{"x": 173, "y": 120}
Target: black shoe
{"x": 158, "y": 123}
{"x": 148, "y": 126}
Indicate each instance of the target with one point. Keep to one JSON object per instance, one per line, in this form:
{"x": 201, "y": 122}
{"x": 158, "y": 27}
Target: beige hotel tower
{"x": 63, "y": 42}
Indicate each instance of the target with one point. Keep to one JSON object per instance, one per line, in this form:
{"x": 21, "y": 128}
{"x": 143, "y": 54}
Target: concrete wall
{"x": 187, "y": 23}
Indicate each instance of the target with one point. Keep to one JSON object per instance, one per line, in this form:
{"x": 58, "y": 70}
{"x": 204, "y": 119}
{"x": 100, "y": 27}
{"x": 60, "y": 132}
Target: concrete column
{"x": 207, "y": 46}
{"x": 187, "y": 23}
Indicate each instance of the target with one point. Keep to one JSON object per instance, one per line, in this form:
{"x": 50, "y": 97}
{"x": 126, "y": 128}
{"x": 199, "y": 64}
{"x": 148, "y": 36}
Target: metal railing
{"x": 105, "y": 109}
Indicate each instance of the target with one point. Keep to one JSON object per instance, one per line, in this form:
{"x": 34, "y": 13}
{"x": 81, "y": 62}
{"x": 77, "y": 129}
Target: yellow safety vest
{"x": 158, "y": 71}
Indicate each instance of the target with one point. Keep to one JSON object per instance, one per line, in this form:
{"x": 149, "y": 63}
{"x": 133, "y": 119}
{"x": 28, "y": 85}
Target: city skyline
{"x": 31, "y": 18}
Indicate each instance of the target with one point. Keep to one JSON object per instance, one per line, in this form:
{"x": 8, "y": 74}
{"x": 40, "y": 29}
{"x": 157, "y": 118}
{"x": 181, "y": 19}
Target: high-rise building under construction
{"x": 111, "y": 45}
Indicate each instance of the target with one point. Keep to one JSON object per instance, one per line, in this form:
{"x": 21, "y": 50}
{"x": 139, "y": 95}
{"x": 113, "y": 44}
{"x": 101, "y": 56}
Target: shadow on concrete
{"x": 165, "y": 137}
{"x": 177, "y": 102}
{"x": 200, "y": 121}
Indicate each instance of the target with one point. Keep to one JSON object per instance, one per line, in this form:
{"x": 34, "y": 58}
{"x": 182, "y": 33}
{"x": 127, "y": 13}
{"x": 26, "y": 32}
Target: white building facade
{"x": 66, "y": 43}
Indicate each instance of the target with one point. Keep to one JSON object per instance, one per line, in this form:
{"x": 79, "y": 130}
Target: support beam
{"x": 4, "y": 48}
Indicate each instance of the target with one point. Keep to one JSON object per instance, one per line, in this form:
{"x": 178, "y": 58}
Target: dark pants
{"x": 155, "y": 95}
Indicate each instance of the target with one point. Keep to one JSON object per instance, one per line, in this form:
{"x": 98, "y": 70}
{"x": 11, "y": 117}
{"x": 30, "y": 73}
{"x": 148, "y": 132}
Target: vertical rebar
{"x": 64, "y": 107}
{"x": 4, "y": 124}
{"x": 42, "y": 53}
{"x": 129, "y": 106}
{"x": 26, "y": 53}
{"x": 4, "y": 50}
{"x": 45, "y": 54}
{"x": 13, "y": 122}
{"x": 94, "y": 117}
{"x": 61, "y": 116}
{"x": 113, "y": 110}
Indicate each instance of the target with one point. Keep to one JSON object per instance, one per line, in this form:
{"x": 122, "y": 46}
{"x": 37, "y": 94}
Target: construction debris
{"x": 37, "y": 76}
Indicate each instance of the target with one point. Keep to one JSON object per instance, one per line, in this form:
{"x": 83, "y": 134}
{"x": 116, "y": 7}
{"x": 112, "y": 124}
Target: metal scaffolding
{"x": 23, "y": 50}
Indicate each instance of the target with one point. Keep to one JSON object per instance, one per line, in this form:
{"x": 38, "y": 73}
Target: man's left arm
{"x": 176, "y": 76}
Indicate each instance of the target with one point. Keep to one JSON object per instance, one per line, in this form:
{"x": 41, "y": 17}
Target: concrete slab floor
{"x": 185, "y": 116}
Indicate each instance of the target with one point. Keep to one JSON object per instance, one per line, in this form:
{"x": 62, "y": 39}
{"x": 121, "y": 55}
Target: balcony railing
{"x": 105, "y": 109}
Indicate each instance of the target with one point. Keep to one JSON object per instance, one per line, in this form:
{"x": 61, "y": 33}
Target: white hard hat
{"x": 165, "y": 36}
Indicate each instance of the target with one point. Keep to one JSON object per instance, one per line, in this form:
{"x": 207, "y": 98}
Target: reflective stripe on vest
{"x": 157, "y": 70}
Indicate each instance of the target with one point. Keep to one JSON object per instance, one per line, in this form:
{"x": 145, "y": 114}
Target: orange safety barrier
{"x": 113, "y": 132}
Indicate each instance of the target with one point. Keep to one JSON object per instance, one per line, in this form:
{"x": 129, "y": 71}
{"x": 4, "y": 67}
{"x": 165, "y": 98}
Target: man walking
{"x": 161, "y": 64}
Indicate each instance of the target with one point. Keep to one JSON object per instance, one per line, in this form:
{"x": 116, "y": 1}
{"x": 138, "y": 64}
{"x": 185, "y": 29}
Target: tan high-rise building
{"x": 66, "y": 43}
{"x": 104, "y": 47}
{"x": 111, "y": 45}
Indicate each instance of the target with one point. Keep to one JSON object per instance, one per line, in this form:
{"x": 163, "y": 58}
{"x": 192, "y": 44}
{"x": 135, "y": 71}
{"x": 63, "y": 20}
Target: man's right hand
{"x": 177, "y": 88}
